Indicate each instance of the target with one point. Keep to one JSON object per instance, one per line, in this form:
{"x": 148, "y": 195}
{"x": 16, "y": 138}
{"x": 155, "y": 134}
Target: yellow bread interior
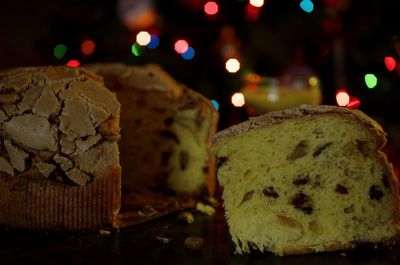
{"x": 309, "y": 184}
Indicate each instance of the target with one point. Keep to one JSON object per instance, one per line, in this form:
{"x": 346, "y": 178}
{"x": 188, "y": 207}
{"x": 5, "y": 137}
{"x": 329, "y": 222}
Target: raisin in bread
{"x": 166, "y": 130}
{"x": 59, "y": 159}
{"x": 308, "y": 179}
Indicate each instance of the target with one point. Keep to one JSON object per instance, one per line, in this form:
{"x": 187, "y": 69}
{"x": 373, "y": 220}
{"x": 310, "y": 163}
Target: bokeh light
{"x": 313, "y": 81}
{"x": 181, "y": 46}
{"x": 342, "y": 98}
{"x": 215, "y": 104}
{"x": 273, "y": 96}
{"x": 238, "y": 100}
{"x": 390, "y": 63}
{"x": 354, "y": 103}
{"x": 232, "y": 65}
{"x": 370, "y": 80}
{"x": 251, "y": 12}
{"x": 73, "y": 63}
{"x": 257, "y": 3}
{"x": 137, "y": 49}
{"x": 154, "y": 42}
{"x": 59, "y": 51}
{"x": 88, "y": 47}
{"x": 307, "y": 6}
{"x": 143, "y": 38}
{"x": 189, "y": 54}
{"x": 211, "y": 8}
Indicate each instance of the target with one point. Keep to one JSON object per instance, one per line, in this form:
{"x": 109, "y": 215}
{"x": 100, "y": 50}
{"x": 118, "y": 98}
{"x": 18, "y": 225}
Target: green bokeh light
{"x": 59, "y": 51}
{"x": 137, "y": 49}
{"x": 370, "y": 80}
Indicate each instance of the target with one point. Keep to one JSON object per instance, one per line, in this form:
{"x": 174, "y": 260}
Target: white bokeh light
{"x": 232, "y": 65}
{"x": 143, "y": 38}
{"x": 238, "y": 100}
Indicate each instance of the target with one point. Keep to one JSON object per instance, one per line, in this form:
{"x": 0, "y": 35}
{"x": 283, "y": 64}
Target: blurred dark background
{"x": 340, "y": 41}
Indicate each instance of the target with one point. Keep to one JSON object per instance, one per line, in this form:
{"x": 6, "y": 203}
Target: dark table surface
{"x": 141, "y": 245}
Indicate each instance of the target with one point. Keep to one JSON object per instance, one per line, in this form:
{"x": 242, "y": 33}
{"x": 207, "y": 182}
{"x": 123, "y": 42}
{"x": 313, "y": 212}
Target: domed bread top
{"x": 147, "y": 77}
{"x": 301, "y": 111}
{"x": 57, "y": 122}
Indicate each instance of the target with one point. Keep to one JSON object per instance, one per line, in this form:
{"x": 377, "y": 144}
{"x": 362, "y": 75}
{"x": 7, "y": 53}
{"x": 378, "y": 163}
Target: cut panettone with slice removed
{"x": 307, "y": 179}
{"x": 61, "y": 147}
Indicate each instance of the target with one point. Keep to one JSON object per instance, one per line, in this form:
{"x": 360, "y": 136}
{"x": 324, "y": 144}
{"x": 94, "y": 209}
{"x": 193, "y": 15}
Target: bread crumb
{"x": 343, "y": 254}
{"x": 214, "y": 202}
{"x": 194, "y": 243}
{"x": 104, "y": 233}
{"x": 164, "y": 240}
{"x": 206, "y": 209}
{"x": 187, "y": 217}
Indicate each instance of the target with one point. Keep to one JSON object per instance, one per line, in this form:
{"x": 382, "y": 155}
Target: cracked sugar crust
{"x": 57, "y": 122}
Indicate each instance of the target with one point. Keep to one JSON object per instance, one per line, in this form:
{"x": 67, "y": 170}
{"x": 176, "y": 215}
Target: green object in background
{"x": 370, "y": 80}
{"x": 59, "y": 51}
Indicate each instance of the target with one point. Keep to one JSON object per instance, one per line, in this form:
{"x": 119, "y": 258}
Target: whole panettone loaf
{"x": 308, "y": 179}
{"x": 59, "y": 159}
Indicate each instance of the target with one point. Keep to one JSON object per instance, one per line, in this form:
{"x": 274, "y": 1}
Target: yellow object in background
{"x": 264, "y": 95}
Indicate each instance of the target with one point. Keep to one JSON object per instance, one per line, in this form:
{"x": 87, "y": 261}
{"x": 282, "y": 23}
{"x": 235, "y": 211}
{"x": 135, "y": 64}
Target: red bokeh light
{"x": 354, "y": 103}
{"x": 211, "y": 8}
{"x": 73, "y": 63}
{"x": 88, "y": 47}
{"x": 390, "y": 63}
{"x": 251, "y": 12}
{"x": 181, "y": 46}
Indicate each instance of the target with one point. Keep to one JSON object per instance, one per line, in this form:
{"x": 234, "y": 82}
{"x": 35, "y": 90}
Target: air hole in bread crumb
{"x": 362, "y": 146}
{"x": 314, "y": 227}
{"x": 385, "y": 180}
{"x": 221, "y": 161}
{"x": 183, "y": 159}
{"x": 341, "y": 189}
{"x": 349, "y": 209}
{"x": 299, "y": 151}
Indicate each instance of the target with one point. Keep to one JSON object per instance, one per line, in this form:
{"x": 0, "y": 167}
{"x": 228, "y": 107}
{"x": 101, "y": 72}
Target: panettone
{"x": 59, "y": 162}
{"x": 166, "y": 130}
{"x": 307, "y": 179}
{"x": 60, "y": 147}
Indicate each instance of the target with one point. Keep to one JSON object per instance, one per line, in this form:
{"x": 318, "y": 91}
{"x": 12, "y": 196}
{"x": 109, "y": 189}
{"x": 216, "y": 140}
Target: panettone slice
{"x": 308, "y": 179}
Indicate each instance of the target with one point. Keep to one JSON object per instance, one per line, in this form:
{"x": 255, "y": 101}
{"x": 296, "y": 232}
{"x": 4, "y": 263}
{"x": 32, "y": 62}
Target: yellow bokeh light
{"x": 313, "y": 81}
{"x": 238, "y": 100}
{"x": 143, "y": 38}
{"x": 257, "y": 3}
{"x": 232, "y": 65}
